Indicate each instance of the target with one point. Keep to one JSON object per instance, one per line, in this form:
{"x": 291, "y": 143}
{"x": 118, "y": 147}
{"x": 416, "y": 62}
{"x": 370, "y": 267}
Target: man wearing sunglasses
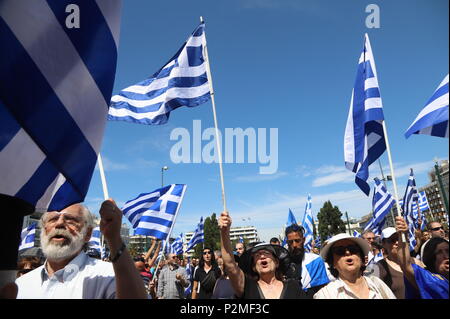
{"x": 309, "y": 269}
{"x": 436, "y": 230}
{"x": 172, "y": 279}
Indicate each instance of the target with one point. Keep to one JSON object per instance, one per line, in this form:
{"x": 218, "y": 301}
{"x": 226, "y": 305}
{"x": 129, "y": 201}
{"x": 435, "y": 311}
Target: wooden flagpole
{"x": 105, "y": 190}
{"x": 219, "y": 150}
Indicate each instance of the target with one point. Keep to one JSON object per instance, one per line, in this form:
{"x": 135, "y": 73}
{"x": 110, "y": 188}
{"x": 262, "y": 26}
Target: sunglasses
{"x": 291, "y": 241}
{"x": 437, "y": 228}
{"x": 206, "y": 253}
{"x": 342, "y": 250}
{"x": 24, "y": 271}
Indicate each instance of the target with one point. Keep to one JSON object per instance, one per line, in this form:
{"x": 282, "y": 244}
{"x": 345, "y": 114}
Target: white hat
{"x": 388, "y": 232}
{"x": 362, "y": 243}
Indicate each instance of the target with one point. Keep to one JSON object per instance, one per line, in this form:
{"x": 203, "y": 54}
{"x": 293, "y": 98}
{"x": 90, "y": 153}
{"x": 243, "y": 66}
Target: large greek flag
{"x": 433, "y": 119}
{"x": 27, "y": 237}
{"x": 198, "y": 237}
{"x": 152, "y": 214}
{"x": 55, "y": 86}
{"x": 364, "y": 138}
{"x": 411, "y": 197}
{"x": 307, "y": 224}
{"x": 182, "y": 81}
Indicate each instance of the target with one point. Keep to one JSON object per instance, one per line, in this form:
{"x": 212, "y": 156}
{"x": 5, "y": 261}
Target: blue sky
{"x": 289, "y": 65}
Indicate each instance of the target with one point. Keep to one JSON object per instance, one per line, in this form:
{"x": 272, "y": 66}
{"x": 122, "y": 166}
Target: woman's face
{"x": 346, "y": 258}
{"x": 264, "y": 262}
{"x": 391, "y": 245}
{"x": 441, "y": 264}
{"x": 207, "y": 255}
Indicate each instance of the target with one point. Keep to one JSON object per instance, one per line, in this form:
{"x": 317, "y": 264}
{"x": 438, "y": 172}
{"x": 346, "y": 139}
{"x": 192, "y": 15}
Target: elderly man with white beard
{"x": 69, "y": 272}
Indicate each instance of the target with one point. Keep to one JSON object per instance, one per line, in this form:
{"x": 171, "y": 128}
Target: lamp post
{"x": 164, "y": 168}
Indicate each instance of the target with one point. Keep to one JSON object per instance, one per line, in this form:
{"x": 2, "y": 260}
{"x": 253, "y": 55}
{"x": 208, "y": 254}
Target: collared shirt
{"x": 338, "y": 289}
{"x": 168, "y": 285}
{"x": 82, "y": 278}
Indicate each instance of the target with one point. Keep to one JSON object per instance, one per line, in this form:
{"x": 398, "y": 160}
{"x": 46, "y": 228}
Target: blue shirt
{"x": 431, "y": 286}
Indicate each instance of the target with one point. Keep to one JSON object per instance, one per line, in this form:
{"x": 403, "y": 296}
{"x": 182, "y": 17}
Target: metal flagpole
{"x": 105, "y": 189}
{"x": 394, "y": 182}
{"x": 219, "y": 150}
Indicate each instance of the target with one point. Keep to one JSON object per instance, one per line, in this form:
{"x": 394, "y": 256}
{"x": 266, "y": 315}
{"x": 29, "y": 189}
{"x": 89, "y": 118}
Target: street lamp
{"x": 164, "y": 168}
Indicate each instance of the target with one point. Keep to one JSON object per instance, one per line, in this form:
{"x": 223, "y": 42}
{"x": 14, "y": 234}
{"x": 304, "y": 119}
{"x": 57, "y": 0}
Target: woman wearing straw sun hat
{"x": 260, "y": 271}
{"x": 345, "y": 256}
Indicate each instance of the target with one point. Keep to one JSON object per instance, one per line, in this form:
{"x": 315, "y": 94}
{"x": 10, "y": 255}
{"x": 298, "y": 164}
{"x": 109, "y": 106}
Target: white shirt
{"x": 339, "y": 290}
{"x": 83, "y": 278}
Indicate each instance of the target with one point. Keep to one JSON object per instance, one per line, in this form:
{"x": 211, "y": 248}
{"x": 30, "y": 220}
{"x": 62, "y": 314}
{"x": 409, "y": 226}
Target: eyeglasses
{"x": 206, "y": 253}
{"x": 52, "y": 218}
{"x": 342, "y": 250}
{"x": 291, "y": 241}
{"x": 437, "y": 228}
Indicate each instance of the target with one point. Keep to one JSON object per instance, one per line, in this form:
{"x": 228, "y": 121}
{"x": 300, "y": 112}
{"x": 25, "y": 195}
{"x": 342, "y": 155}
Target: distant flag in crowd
{"x": 317, "y": 242}
{"x": 433, "y": 119}
{"x": 27, "y": 236}
{"x": 188, "y": 289}
{"x": 55, "y": 88}
{"x": 373, "y": 226}
{"x": 356, "y": 234}
{"x": 181, "y": 82}
{"x": 198, "y": 237}
{"x": 308, "y": 224}
{"x": 94, "y": 243}
{"x": 364, "y": 139}
{"x": 152, "y": 214}
{"x": 291, "y": 219}
{"x": 382, "y": 202}
{"x": 241, "y": 239}
{"x": 423, "y": 201}
{"x": 410, "y": 198}
{"x": 177, "y": 246}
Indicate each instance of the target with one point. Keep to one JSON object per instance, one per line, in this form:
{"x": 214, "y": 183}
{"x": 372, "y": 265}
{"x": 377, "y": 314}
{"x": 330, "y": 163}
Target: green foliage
{"x": 330, "y": 221}
{"x": 212, "y": 236}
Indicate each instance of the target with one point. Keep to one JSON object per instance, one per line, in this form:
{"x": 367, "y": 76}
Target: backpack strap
{"x": 388, "y": 279}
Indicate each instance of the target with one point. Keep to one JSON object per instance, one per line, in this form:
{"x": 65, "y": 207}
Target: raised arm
{"x": 147, "y": 255}
{"x": 403, "y": 252}
{"x": 129, "y": 284}
{"x": 235, "y": 273}
{"x": 151, "y": 262}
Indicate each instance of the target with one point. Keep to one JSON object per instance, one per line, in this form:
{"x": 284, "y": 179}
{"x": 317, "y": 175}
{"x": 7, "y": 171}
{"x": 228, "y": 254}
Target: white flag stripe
{"x": 24, "y": 153}
{"x": 373, "y": 103}
{"x": 437, "y": 104}
{"x": 44, "y": 201}
{"x": 70, "y": 67}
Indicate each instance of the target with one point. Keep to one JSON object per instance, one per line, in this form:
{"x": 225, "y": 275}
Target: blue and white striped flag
{"x": 410, "y": 198}
{"x": 177, "y": 246}
{"x": 94, "y": 243}
{"x": 55, "y": 88}
{"x": 198, "y": 237}
{"x": 433, "y": 119}
{"x": 152, "y": 214}
{"x": 307, "y": 224}
{"x": 188, "y": 289}
{"x": 241, "y": 239}
{"x": 382, "y": 202}
{"x": 181, "y": 82}
{"x": 291, "y": 219}
{"x": 364, "y": 139}
{"x": 356, "y": 234}
{"x": 27, "y": 237}
{"x": 423, "y": 201}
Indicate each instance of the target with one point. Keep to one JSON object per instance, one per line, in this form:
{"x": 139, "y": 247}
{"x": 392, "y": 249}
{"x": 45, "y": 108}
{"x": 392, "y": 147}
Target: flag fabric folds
{"x": 152, "y": 214}
{"x": 291, "y": 219}
{"x": 356, "y": 234}
{"x": 423, "y": 201}
{"x": 307, "y": 224}
{"x": 27, "y": 237}
{"x": 177, "y": 246}
{"x": 94, "y": 242}
{"x": 198, "y": 237}
{"x": 181, "y": 82}
{"x": 433, "y": 119}
{"x": 364, "y": 140}
{"x": 55, "y": 88}
{"x": 411, "y": 197}
{"x": 382, "y": 202}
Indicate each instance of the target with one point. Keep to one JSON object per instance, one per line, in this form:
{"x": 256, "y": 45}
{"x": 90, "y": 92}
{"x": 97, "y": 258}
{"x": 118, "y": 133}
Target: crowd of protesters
{"x": 345, "y": 267}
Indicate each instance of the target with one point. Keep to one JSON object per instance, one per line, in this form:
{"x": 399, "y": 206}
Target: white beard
{"x": 65, "y": 250}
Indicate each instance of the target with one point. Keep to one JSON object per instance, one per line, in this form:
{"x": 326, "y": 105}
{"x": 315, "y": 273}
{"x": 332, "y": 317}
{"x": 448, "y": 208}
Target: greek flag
{"x": 182, "y": 81}
{"x": 291, "y": 219}
{"x": 27, "y": 237}
{"x": 433, "y": 119}
{"x": 94, "y": 243}
{"x": 317, "y": 242}
{"x": 55, "y": 87}
{"x": 411, "y": 197}
{"x": 308, "y": 225}
{"x": 423, "y": 202}
{"x": 364, "y": 138}
{"x": 198, "y": 237}
{"x": 241, "y": 239}
{"x": 188, "y": 289}
{"x": 152, "y": 214}
{"x": 356, "y": 234}
{"x": 374, "y": 227}
{"x": 177, "y": 246}
{"x": 382, "y": 202}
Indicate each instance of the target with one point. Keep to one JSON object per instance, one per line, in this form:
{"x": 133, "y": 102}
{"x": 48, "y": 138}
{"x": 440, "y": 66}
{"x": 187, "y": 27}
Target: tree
{"x": 212, "y": 236}
{"x": 330, "y": 222}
